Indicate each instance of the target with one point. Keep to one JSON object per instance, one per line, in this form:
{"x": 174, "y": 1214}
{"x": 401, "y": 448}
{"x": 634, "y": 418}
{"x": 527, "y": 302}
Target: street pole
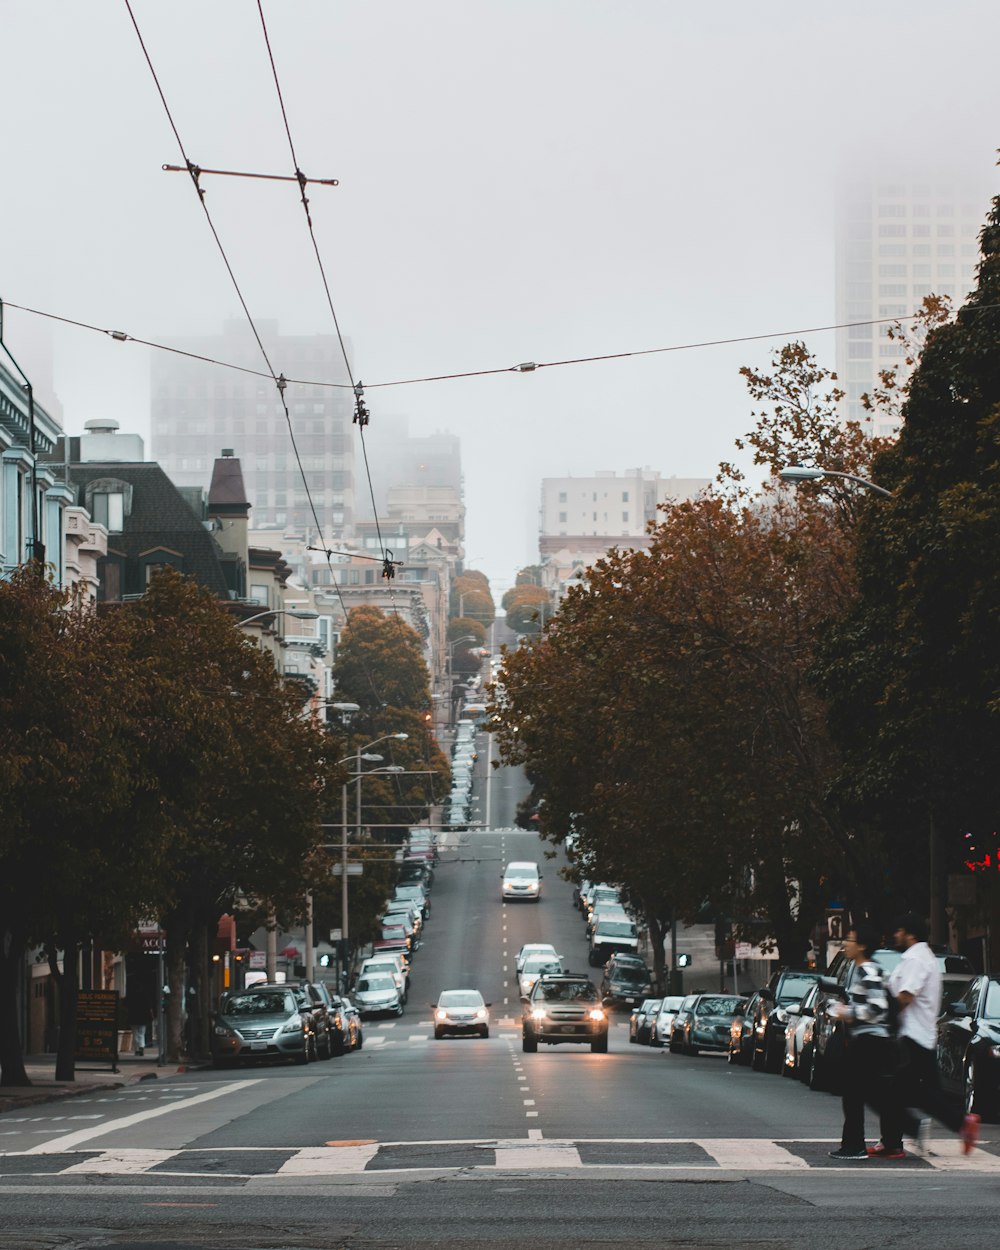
{"x": 344, "y": 930}
{"x": 310, "y": 950}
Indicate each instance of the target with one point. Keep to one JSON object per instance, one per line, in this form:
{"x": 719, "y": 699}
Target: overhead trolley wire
{"x": 280, "y": 381}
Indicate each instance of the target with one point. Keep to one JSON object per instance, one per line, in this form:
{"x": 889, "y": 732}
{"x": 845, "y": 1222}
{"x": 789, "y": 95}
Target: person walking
{"x": 868, "y": 1054}
{"x": 915, "y": 986}
{"x": 140, "y": 1015}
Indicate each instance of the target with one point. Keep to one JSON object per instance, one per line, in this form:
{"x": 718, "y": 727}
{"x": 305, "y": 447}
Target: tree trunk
{"x": 656, "y": 936}
{"x": 69, "y": 982}
{"x": 11, "y": 1051}
{"x": 176, "y": 945}
{"x": 199, "y": 1024}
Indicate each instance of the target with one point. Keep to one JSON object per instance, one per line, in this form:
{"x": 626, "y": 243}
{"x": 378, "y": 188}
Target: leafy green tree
{"x": 912, "y": 673}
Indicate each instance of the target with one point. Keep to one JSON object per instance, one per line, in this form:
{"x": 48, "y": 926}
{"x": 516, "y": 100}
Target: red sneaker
{"x": 882, "y": 1151}
{"x": 969, "y": 1133}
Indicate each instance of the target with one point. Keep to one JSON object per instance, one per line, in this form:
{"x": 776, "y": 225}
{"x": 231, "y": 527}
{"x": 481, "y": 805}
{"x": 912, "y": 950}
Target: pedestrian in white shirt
{"x": 915, "y": 986}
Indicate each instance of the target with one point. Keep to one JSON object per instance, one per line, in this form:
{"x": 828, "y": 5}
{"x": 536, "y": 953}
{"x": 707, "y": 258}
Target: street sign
{"x": 353, "y": 870}
{"x": 336, "y": 935}
{"x": 743, "y": 950}
{"x": 258, "y": 959}
{"x": 97, "y": 1026}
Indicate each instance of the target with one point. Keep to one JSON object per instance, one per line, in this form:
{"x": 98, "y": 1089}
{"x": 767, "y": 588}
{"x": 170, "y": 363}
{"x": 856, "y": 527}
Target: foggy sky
{"x": 519, "y": 180}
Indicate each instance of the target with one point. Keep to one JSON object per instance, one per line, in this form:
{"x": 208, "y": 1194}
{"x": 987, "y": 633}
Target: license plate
{"x": 258, "y": 1045}
{"x": 568, "y": 1028}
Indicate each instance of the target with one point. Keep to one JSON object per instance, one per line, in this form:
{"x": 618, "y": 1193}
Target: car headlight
{"x": 538, "y": 1013}
{"x": 442, "y": 1015}
{"x": 293, "y": 1026}
{"x": 596, "y": 1013}
{"x": 222, "y": 1031}
{"x": 994, "y": 1052}
{"x": 481, "y": 1013}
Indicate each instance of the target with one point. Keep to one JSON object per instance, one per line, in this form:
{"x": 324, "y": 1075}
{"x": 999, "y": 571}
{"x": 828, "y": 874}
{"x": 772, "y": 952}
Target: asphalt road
{"x": 413, "y": 1142}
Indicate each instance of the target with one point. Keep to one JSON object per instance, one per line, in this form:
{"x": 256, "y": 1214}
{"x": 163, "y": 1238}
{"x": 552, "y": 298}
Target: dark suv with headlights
{"x": 563, "y": 1008}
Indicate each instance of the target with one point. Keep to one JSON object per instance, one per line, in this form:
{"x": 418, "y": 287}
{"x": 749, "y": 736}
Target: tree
{"x": 526, "y": 606}
{"x": 83, "y": 838}
{"x": 912, "y": 672}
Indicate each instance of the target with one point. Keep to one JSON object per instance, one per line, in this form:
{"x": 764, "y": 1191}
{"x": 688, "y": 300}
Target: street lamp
{"x": 359, "y": 755}
{"x": 797, "y": 473}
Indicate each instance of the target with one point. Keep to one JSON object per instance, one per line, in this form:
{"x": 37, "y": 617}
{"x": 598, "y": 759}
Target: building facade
{"x": 197, "y": 408}
{"x": 899, "y": 238}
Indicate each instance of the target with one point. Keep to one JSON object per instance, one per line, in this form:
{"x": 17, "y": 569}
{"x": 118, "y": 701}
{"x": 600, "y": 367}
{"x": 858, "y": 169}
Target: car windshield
{"x": 672, "y": 1004}
{"x": 262, "y": 1004}
{"x": 616, "y": 928}
{"x": 521, "y": 870}
{"x": 633, "y": 975}
{"x": 541, "y": 964}
{"x": 717, "y": 1006}
{"x": 792, "y": 989}
{"x": 373, "y": 984}
{"x": 567, "y": 992}
{"x": 460, "y": 998}
{"x": 991, "y": 1009}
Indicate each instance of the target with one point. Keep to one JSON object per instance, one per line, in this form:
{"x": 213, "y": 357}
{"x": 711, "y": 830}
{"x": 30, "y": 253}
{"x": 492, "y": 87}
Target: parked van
{"x": 612, "y": 934}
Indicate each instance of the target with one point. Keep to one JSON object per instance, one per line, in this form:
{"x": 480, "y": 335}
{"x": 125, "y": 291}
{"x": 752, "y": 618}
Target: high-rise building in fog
{"x": 899, "y": 237}
{"x": 198, "y": 409}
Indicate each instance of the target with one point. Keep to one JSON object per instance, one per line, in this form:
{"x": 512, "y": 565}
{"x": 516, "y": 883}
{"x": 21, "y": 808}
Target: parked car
{"x": 627, "y": 981}
{"x": 640, "y": 1022}
{"x": 741, "y": 1034}
{"x": 969, "y": 1047}
{"x": 345, "y": 1025}
{"x": 674, "y": 1040}
{"x": 799, "y": 1033}
{"x": 461, "y": 1011}
{"x": 705, "y": 1024}
{"x": 376, "y": 994}
{"x": 393, "y": 965}
{"x": 611, "y": 934}
{"x": 263, "y": 1023}
{"x": 521, "y": 880}
{"x": 315, "y": 998}
{"x": 828, "y": 1032}
{"x": 564, "y": 1009}
{"x": 785, "y": 987}
{"x": 659, "y": 1032}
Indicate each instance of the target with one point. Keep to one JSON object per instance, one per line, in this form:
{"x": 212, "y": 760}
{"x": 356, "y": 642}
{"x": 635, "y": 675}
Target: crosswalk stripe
{"x": 329, "y": 1160}
{"x": 762, "y": 1156}
{"x": 120, "y": 1162}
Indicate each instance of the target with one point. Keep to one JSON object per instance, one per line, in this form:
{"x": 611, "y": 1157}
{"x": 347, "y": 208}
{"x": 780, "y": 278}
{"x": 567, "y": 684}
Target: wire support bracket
{"x": 356, "y": 555}
{"x": 299, "y": 177}
{"x": 361, "y": 414}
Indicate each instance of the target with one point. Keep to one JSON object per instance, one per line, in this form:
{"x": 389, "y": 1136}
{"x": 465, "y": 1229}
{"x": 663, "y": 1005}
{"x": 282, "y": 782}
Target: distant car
{"x": 611, "y": 933}
{"x": 659, "y": 1032}
{"x": 705, "y": 1024}
{"x": 640, "y": 1022}
{"x": 391, "y": 964}
{"x": 968, "y": 1047}
{"x": 799, "y": 1033}
{"x": 785, "y": 987}
{"x": 262, "y": 1024}
{"x": 461, "y": 1011}
{"x": 521, "y": 880}
{"x": 627, "y": 981}
{"x": 533, "y": 948}
{"x": 376, "y": 994}
{"x": 741, "y": 1034}
{"x": 564, "y": 1009}
{"x": 536, "y": 966}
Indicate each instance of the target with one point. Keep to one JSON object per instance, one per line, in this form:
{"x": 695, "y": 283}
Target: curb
{"x": 35, "y": 1098}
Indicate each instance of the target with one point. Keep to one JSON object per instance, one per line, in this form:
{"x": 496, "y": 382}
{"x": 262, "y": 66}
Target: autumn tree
{"x": 526, "y": 606}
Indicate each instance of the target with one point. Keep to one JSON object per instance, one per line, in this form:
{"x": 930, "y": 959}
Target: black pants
{"x": 915, "y": 1087}
{"x": 868, "y": 1061}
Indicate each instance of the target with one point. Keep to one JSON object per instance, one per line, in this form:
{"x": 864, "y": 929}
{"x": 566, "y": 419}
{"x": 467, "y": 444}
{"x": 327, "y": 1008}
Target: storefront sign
{"x": 97, "y": 1026}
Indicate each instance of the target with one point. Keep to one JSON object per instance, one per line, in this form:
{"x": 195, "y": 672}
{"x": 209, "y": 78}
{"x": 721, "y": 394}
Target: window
{"x": 625, "y": 516}
{"x": 921, "y": 271}
{"x": 562, "y": 496}
{"x": 921, "y": 232}
{"x": 892, "y": 249}
{"x": 892, "y": 271}
{"x": 945, "y": 232}
{"x": 892, "y": 210}
{"x": 108, "y": 509}
{"x": 946, "y": 271}
{"x": 624, "y": 496}
{"x": 946, "y": 249}
{"x": 921, "y": 249}
{"x": 859, "y": 351}
{"x": 859, "y": 332}
{"x": 258, "y": 594}
{"x": 891, "y": 232}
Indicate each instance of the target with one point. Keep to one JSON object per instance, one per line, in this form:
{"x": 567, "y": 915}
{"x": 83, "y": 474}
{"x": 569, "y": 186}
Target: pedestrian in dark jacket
{"x": 868, "y": 1054}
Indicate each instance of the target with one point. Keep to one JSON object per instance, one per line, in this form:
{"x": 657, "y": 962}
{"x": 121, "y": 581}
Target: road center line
{"x": 70, "y": 1140}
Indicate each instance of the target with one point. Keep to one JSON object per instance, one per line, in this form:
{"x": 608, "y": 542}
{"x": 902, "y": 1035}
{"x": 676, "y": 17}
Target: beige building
{"x": 582, "y": 517}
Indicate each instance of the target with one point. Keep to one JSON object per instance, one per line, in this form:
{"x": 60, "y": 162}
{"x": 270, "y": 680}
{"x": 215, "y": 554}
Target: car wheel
{"x": 732, "y": 1056}
{"x": 529, "y": 1044}
{"x": 328, "y": 1049}
{"x": 804, "y": 1064}
{"x": 972, "y": 1097}
{"x": 599, "y": 1045}
{"x": 690, "y": 1050}
{"x": 757, "y": 1059}
{"x": 772, "y": 1056}
{"x": 815, "y": 1079}
{"x": 674, "y": 1048}
{"x": 484, "y": 1033}
{"x": 302, "y": 1059}
{"x": 632, "y": 1038}
{"x": 438, "y": 1034}
{"x": 359, "y": 1040}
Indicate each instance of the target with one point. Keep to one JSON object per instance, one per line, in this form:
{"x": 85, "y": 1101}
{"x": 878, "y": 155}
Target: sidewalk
{"x": 45, "y": 1088}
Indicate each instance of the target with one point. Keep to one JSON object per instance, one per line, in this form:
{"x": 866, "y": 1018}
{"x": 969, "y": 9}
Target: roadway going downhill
{"x": 470, "y": 1141}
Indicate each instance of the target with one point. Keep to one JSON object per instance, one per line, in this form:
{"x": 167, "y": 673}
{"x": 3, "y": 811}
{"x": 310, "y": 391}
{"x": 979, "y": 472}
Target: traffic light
{"x": 683, "y": 961}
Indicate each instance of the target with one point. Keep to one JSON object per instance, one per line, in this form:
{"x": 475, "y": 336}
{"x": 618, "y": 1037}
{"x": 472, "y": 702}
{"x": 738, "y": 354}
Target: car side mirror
{"x": 433, "y": 1006}
{"x": 957, "y": 1009}
{"x": 829, "y": 985}
{"x": 489, "y": 1004}
{"x": 794, "y": 1010}
{"x": 767, "y": 995}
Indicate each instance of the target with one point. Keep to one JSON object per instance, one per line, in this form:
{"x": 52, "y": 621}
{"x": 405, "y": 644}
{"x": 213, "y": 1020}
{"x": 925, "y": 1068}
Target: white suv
{"x": 521, "y": 880}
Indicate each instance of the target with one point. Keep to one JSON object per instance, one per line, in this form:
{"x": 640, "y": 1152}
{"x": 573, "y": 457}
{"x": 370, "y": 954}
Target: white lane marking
{"x": 126, "y": 1121}
{"x": 557, "y": 1155}
{"x": 759, "y": 1156}
{"x": 534, "y": 1134}
{"x": 120, "y": 1162}
{"x": 505, "y": 968}
{"x": 329, "y": 1160}
{"x": 978, "y": 1161}
{"x": 528, "y": 1115}
{"x": 528, "y": 1102}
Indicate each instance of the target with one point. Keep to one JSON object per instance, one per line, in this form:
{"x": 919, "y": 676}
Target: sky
{"x": 519, "y": 180}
